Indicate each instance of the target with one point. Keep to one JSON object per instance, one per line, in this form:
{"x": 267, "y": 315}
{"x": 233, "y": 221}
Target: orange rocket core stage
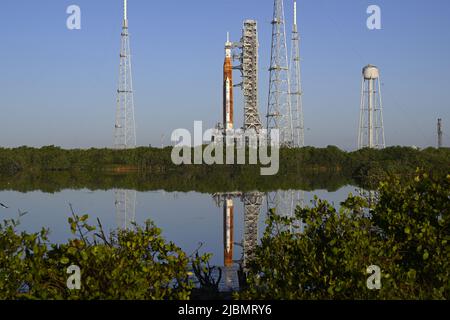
{"x": 228, "y": 229}
{"x": 228, "y": 112}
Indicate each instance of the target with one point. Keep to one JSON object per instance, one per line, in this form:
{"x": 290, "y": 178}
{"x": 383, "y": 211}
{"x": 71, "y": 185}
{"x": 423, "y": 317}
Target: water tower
{"x": 371, "y": 128}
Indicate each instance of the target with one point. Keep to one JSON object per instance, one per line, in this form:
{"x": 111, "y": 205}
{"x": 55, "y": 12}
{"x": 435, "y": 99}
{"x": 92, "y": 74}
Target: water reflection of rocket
{"x": 228, "y": 212}
{"x": 228, "y": 87}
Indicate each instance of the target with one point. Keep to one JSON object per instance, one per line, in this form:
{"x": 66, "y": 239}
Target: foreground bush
{"x": 128, "y": 264}
{"x": 321, "y": 253}
{"x": 406, "y": 233}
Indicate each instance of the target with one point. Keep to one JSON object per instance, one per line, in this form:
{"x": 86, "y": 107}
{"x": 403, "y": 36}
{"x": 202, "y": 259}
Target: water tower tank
{"x": 371, "y": 72}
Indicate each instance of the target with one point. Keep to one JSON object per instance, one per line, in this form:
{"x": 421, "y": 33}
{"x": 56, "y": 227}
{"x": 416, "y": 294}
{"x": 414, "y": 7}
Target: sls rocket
{"x": 228, "y": 239}
{"x": 228, "y": 121}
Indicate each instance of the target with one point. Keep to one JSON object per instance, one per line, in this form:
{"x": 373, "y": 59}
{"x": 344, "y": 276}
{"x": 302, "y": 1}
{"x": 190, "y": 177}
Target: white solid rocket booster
{"x": 228, "y": 87}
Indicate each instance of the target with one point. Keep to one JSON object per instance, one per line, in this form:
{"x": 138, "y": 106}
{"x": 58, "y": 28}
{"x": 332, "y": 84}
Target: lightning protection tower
{"x": 296, "y": 86}
{"x": 371, "y": 128}
{"x": 125, "y": 130}
{"x": 279, "y": 113}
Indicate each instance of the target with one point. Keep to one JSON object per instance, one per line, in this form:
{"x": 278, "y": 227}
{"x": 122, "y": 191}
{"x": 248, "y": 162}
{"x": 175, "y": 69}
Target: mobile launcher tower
{"x": 371, "y": 127}
{"x": 247, "y": 56}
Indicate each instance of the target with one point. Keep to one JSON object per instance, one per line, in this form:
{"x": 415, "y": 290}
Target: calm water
{"x": 218, "y": 221}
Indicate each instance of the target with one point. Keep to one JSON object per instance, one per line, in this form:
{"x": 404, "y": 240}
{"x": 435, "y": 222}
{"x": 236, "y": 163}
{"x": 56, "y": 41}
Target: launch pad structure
{"x": 249, "y": 63}
{"x": 285, "y": 107}
{"x": 247, "y": 56}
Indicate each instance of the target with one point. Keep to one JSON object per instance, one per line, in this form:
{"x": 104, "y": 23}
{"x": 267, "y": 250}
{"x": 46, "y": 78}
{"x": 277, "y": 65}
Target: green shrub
{"x": 128, "y": 264}
{"x": 406, "y": 233}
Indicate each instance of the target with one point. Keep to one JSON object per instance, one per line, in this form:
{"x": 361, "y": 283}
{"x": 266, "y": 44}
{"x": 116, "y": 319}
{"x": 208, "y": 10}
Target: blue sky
{"x": 58, "y": 86}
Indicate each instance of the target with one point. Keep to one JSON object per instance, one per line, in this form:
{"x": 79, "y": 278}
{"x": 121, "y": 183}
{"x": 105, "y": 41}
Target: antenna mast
{"x": 125, "y": 129}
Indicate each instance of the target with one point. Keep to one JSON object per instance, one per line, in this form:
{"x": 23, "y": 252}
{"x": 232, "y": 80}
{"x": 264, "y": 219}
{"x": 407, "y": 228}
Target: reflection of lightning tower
{"x": 125, "y": 131}
{"x": 279, "y": 113}
{"x": 285, "y": 202}
{"x": 371, "y": 128}
{"x": 372, "y": 199}
{"x": 125, "y": 203}
{"x": 296, "y": 86}
{"x": 252, "y": 209}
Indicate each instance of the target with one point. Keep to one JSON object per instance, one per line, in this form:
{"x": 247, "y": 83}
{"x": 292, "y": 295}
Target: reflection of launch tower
{"x": 228, "y": 238}
{"x": 252, "y": 208}
{"x": 226, "y": 201}
{"x": 125, "y": 203}
{"x": 228, "y": 120}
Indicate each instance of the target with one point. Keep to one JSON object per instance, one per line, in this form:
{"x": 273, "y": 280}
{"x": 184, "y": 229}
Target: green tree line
{"x": 297, "y": 166}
